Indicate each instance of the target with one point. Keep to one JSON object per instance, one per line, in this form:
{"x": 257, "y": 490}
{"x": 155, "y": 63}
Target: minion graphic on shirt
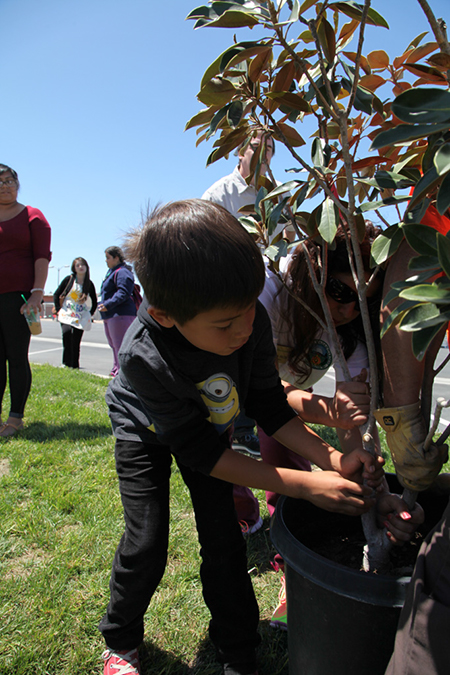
{"x": 220, "y": 396}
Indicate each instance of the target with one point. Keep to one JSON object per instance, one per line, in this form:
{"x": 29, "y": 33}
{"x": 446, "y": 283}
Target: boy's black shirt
{"x": 190, "y": 397}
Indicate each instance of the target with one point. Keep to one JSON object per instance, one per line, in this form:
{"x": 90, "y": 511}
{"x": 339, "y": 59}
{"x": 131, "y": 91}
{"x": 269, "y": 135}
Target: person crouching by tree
{"x": 201, "y": 348}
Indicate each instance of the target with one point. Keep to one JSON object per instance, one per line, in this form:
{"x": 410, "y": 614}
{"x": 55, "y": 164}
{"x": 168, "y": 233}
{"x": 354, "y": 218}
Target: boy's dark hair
{"x": 192, "y": 256}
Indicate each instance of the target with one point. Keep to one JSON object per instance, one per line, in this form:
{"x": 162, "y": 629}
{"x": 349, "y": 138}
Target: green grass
{"x": 61, "y": 519}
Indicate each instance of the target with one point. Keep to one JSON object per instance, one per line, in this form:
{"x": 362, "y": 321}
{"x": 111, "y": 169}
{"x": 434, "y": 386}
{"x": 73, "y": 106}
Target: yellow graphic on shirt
{"x": 220, "y": 396}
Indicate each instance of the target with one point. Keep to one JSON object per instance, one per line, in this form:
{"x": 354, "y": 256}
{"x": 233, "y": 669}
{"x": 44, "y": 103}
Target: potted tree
{"x": 380, "y": 139}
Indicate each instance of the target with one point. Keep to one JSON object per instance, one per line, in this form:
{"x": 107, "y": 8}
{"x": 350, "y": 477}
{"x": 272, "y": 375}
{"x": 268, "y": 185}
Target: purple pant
{"x": 115, "y": 329}
{"x": 276, "y": 454}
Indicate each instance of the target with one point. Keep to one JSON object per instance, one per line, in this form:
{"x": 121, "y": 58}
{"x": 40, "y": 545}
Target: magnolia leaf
{"x": 419, "y": 314}
{"x": 443, "y": 248}
{"x": 429, "y": 73}
{"x": 441, "y": 60}
{"x": 396, "y": 316}
{"x": 422, "y": 51}
{"x": 217, "y": 91}
{"x": 417, "y": 40}
{"x": 421, "y": 263}
{"x": 286, "y": 187}
{"x": 354, "y": 11}
{"x": 372, "y": 82}
{"x": 442, "y": 159}
{"x": 259, "y": 63}
{"x": 202, "y": 117}
{"x": 329, "y": 220}
{"x": 438, "y": 294}
{"x": 439, "y": 320}
{"x": 406, "y": 132}
{"x": 306, "y": 5}
{"x": 327, "y": 39}
{"x": 392, "y": 180}
{"x": 250, "y": 225}
{"x": 420, "y": 106}
{"x": 378, "y": 59}
{"x": 293, "y": 101}
{"x": 235, "y": 18}
{"x": 275, "y": 216}
{"x": 277, "y": 251}
{"x": 385, "y": 245}
{"x": 234, "y": 113}
{"x": 421, "y": 238}
{"x": 443, "y": 198}
{"x": 292, "y": 136}
{"x": 389, "y": 201}
{"x": 429, "y": 181}
{"x": 421, "y": 340}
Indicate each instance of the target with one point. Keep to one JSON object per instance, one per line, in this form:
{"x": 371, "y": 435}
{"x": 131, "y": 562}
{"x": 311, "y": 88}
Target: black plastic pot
{"x": 341, "y": 621}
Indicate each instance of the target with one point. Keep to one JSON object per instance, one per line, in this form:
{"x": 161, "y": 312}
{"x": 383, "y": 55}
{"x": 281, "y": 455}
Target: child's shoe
{"x": 247, "y": 529}
{"x": 122, "y": 662}
{"x": 279, "y": 617}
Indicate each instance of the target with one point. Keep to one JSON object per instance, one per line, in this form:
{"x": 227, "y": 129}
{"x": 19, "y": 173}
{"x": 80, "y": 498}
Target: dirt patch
{"x": 25, "y": 564}
{"x": 5, "y": 468}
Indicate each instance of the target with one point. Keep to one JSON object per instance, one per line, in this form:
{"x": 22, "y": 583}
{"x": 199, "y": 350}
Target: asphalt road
{"x": 96, "y": 357}
{"x": 96, "y": 354}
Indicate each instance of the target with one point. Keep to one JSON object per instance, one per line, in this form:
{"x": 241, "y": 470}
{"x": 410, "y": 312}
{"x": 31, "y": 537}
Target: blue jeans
{"x": 140, "y": 560}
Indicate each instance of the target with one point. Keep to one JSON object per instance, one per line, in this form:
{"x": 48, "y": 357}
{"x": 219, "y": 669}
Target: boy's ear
{"x": 161, "y": 317}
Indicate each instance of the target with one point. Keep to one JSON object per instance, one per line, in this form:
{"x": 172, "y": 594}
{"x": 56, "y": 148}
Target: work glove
{"x": 405, "y": 435}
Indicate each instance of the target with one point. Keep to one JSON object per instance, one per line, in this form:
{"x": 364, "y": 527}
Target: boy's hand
{"x": 394, "y": 514}
{"x": 330, "y": 491}
{"x": 360, "y": 466}
{"x": 351, "y": 403}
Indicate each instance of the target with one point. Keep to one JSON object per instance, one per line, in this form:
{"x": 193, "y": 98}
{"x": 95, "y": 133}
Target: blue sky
{"x": 96, "y": 95}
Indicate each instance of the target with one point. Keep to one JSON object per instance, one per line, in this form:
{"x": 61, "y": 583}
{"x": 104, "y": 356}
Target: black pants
{"x": 140, "y": 560}
{"x": 14, "y": 344}
{"x": 71, "y": 338}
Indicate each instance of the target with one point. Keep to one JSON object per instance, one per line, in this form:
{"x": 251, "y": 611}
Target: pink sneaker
{"x": 122, "y": 662}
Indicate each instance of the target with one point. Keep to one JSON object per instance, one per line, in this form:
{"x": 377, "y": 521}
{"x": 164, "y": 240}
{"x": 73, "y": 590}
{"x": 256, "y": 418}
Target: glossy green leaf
{"x": 234, "y": 113}
{"x": 419, "y": 314}
{"x": 275, "y": 216}
{"x": 202, "y": 117}
{"x": 429, "y": 181}
{"x": 438, "y": 294}
{"x": 406, "y": 132}
{"x": 354, "y": 11}
{"x": 389, "y": 201}
{"x": 327, "y": 39}
{"x": 277, "y": 251}
{"x": 289, "y": 100}
{"x": 443, "y": 197}
{"x": 420, "y": 106}
{"x": 396, "y": 316}
{"x": 440, "y": 319}
{"x": 217, "y": 91}
{"x": 442, "y": 159}
{"x": 421, "y": 340}
{"x": 443, "y": 247}
{"x": 286, "y": 187}
{"x": 250, "y": 225}
{"x": 421, "y": 263}
{"x": 390, "y": 179}
{"x": 329, "y": 220}
{"x": 386, "y": 245}
{"x": 421, "y": 238}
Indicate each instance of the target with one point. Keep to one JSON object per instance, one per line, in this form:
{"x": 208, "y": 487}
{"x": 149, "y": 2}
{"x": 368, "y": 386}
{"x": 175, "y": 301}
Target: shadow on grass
{"x": 40, "y": 432}
{"x": 272, "y": 657}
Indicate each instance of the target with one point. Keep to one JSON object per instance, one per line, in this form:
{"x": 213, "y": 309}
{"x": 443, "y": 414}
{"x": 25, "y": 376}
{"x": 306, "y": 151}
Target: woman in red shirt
{"x": 24, "y": 258}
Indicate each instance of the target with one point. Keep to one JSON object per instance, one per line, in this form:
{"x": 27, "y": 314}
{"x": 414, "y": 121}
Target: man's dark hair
{"x": 192, "y": 256}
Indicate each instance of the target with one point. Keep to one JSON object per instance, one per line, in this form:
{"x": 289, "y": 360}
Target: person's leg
{"x": 15, "y": 343}
{"x": 67, "y": 344}
{"x": 115, "y": 329}
{"x": 421, "y": 644}
{"x": 276, "y": 454}
{"x": 227, "y": 587}
{"x": 247, "y": 509}
{"x": 140, "y": 559}
{"x": 76, "y": 342}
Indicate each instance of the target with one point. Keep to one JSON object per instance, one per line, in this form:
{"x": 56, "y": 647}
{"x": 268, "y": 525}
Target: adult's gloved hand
{"x": 405, "y": 435}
